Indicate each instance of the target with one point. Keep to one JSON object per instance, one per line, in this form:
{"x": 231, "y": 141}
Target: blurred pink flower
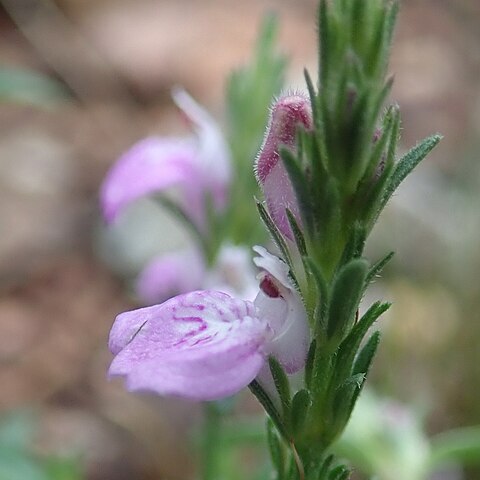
{"x": 169, "y": 274}
{"x": 206, "y": 345}
{"x": 197, "y": 167}
{"x": 287, "y": 113}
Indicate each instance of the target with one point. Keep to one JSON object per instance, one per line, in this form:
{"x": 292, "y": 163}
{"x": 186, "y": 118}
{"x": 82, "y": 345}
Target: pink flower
{"x": 287, "y": 113}
{"x": 169, "y": 274}
{"x": 197, "y": 167}
{"x": 206, "y": 345}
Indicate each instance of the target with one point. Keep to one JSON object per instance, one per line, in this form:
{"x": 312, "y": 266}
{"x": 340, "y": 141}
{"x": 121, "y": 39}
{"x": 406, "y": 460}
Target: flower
{"x": 198, "y": 167}
{"x": 170, "y": 273}
{"x": 207, "y": 345}
{"x": 194, "y": 171}
{"x": 287, "y": 113}
{"x": 185, "y": 270}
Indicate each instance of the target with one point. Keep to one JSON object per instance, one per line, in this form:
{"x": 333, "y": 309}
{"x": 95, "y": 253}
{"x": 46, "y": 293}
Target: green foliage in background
{"x": 29, "y": 87}
{"x": 19, "y": 462}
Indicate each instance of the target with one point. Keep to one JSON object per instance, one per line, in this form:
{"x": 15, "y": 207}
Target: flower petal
{"x": 169, "y": 275}
{"x": 287, "y": 317}
{"x": 151, "y": 165}
{"x": 273, "y": 265}
{"x": 203, "y": 345}
{"x": 213, "y": 151}
{"x": 284, "y": 311}
{"x": 280, "y": 196}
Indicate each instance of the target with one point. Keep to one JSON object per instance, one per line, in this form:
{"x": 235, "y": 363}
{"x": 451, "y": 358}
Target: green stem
{"x": 211, "y": 442}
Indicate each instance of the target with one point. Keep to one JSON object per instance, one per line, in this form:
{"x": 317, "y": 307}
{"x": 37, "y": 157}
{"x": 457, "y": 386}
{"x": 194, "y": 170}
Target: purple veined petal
{"x": 170, "y": 274}
{"x": 213, "y": 151}
{"x": 287, "y": 113}
{"x": 279, "y": 303}
{"x": 152, "y": 165}
{"x": 203, "y": 345}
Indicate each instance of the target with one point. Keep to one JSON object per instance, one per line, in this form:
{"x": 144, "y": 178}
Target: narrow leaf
{"x": 281, "y": 383}
{"x": 365, "y": 357}
{"x": 277, "y": 450}
{"x": 321, "y": 307}
{"x": 269, "y": 407}
{"x": 312, "y": 94}
{"x": 349, "y": 347}
{"x": 406, "y": 165}
{"x": 277, "y": 238}
{"x": 324, "y": 46}
{"x": 310, "y": 363}
{"x": 325, "y": 468}
{"x": 343, "y": 402}
{"x": 299, "y": 184}
{"x": 352, "y": 341}
{"x": 377, "y": 268}
{"x": 300, "y": 405}
{"x": 297, "y": 234}
{"x": 346, "y": 294}
{"x": 354, "y": 247}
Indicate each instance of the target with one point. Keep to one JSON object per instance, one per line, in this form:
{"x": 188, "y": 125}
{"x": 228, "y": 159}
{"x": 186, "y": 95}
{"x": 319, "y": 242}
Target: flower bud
{"x": 287, "y": 113}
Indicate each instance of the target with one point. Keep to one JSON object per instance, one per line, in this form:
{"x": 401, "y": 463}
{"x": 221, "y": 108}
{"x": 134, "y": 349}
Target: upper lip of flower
{"x": 287, "y": 113}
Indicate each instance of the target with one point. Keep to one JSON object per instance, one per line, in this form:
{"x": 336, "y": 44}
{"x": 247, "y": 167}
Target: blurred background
{"x": 80, "y": 81}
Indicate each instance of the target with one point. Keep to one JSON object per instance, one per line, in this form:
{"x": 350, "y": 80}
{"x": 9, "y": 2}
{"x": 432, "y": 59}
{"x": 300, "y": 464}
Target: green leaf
{"x": 343, "y": 402}
{"x": 366, "y": 354}
{"x": 297, "y": 234}
{"x": 377, "y": 59}
{"x": 309, "y": 364}
{"x": 322, "y": 301}
{"x": 346, "y": 294}
{"x": 460, "y": 445}
{"x": 277, "y": 450}
{"x": 300, "y": 186}
{"x": 406, "y": 165}
{"x": 355, "y": 245}
{"x": 312, "y": 94}
{"x": 378, "y": 151}
{"x": 377, "y": 268}
{"x": 325, "y": 468}
{"x": 281, "y": 383}
{"x": 321, "y": 379}
{"x": 349, "y": 347}
{"x": 394, "y": 137}
{"x": 324, "y": 47}
{"x": 352, "y": 341}
{"x": 300, "y": 405}
{"x": 365, "y": 117}
{"x": 269, "y": 407}
{"x": 277, "y": 238}
{"x": 341, "y": 472}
